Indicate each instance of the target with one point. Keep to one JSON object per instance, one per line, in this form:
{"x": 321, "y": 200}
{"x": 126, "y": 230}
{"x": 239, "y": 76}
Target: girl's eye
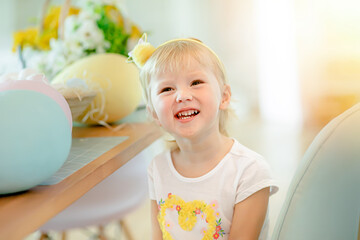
{"x": 196, "y": 82}
{"x": 167, "y": 89}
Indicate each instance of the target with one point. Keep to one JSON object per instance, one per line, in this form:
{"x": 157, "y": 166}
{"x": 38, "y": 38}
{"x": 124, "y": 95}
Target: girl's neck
{"x": 204, "y": 149}
{"x": 196, "y": 158}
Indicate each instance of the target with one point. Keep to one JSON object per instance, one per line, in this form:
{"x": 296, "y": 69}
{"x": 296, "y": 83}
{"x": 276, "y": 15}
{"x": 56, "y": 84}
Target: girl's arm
{"x": 249, "y": 216}
{"x": 156, "y": 231}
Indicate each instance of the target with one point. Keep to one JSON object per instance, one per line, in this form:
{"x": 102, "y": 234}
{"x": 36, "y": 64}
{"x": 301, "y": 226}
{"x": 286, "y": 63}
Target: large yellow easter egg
{"x": 116, "y": 82}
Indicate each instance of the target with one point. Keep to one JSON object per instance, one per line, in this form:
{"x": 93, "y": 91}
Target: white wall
{"x": 7, "y": 9}
{"x": 279, "y": 87}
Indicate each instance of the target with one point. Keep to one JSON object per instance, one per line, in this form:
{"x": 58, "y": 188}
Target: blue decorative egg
{"x": 35, "y": 139}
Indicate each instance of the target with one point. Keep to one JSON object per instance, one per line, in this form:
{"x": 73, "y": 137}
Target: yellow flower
{"x": 51, "y": 20}
{"x": 135, "y": 32}
{"x": 114, "y": 14}
{"x": 43, "y": 41}
{"x": 25, "y": 38}
{"x": 32, "y": 38}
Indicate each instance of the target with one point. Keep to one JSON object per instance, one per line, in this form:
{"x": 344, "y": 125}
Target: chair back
{"x": 323, "y": 200}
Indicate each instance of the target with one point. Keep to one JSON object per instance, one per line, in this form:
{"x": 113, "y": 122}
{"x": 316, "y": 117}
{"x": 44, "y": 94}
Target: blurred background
{"x": 293, "y": 64}
{"x": 296, "y": 62}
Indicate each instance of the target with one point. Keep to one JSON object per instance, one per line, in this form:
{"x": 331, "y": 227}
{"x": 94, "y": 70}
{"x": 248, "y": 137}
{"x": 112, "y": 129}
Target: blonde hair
{"x": 175, "y": 55}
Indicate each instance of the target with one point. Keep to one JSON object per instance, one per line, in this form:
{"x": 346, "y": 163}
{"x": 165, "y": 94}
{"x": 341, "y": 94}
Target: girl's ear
{"x": 153, "y": 114}
{"x": 226, "y": 97}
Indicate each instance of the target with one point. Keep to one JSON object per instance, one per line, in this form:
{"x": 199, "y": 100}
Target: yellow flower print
{"x": 187, "y": 216}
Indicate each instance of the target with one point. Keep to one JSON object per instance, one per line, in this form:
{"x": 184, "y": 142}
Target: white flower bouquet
{"x": 91, "y": 27}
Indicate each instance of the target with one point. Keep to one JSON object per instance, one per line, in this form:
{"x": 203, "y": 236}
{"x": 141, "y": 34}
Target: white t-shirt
{"x": 202, "y": 207}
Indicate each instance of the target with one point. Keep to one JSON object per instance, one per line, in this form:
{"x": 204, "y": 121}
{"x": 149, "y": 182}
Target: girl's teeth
{"x": 187, "y": 114}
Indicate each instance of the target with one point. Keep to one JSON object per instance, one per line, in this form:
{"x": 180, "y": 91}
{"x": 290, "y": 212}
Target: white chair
{"x": 112, "y": 199}
{"x": 323, "y": 201}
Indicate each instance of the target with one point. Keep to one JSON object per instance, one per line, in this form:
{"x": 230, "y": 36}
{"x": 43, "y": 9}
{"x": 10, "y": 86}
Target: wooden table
{"x": 23, "y": 213}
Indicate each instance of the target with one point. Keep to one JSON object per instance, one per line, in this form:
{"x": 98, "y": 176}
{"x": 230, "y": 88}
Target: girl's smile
{"x": 186, "y": 115}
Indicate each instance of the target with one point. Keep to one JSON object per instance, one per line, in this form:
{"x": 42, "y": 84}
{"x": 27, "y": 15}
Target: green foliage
{"x": 114, "y": 34}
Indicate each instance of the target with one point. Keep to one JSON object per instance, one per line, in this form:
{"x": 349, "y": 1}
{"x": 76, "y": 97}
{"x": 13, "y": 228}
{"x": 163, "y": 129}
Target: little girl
{"x": 208, "y": 186}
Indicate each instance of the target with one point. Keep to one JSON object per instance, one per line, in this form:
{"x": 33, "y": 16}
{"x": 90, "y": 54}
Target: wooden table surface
{"x": 23, "y": 213}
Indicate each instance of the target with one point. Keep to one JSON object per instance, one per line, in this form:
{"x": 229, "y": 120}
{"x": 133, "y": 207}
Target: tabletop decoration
{"x": 89, "y": 27}
{"x": 35, "y": 128}
{"x": 30, "y": 79}
{"x": 114, "y": 81}
{"x": 77, "y": 93}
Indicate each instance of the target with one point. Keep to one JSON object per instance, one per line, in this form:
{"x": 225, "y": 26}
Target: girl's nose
{"x": 183, "y": 96}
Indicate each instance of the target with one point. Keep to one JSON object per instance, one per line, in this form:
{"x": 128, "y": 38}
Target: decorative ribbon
{"x": 25, "y": 74}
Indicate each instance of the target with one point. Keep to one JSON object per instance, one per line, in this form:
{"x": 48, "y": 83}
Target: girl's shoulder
{"x": 245, "y": 157}
{"x": 253, "y": 172}
{"x": 241, "y": 151}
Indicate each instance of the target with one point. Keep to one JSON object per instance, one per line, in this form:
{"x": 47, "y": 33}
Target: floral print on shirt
{"x": 188, "y": 213}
